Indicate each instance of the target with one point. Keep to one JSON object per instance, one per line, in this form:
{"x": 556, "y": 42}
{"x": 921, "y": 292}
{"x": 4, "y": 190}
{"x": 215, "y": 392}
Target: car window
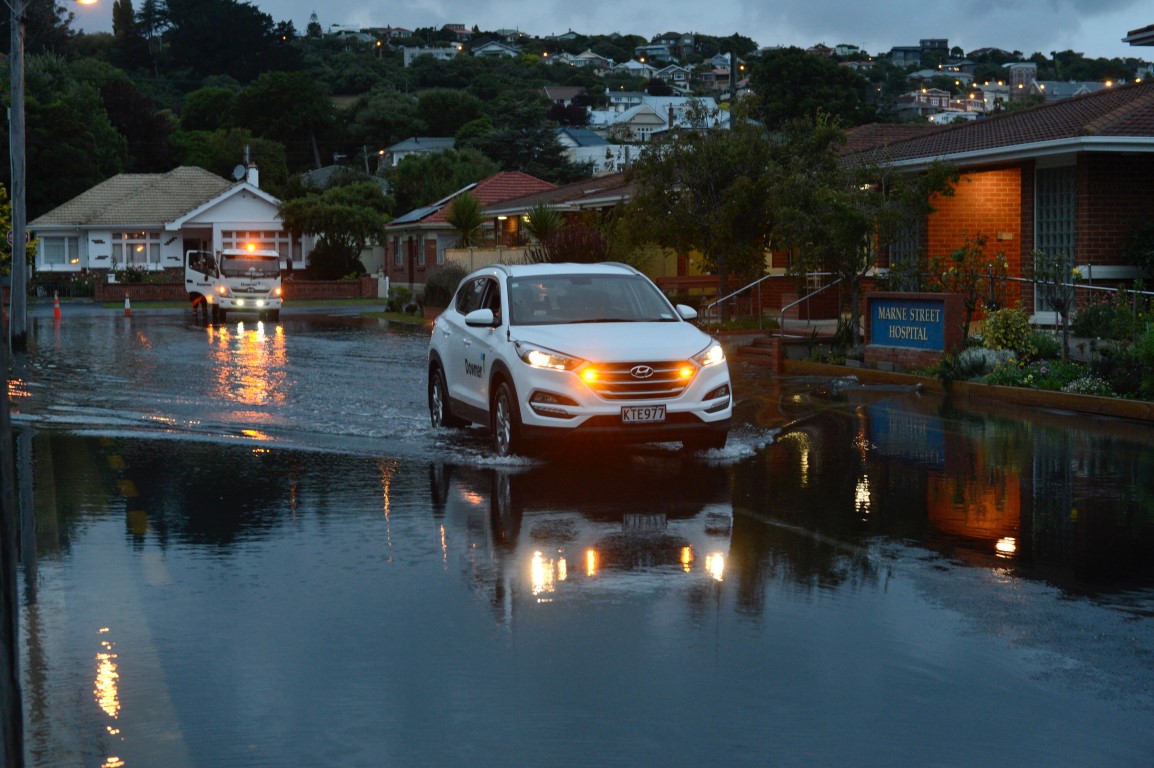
{"x": 552, "y": 299}
{"x": 471, "y": 295}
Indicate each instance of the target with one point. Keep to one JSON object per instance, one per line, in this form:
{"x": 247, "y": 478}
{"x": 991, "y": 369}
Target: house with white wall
{"x": 147, "y": 221}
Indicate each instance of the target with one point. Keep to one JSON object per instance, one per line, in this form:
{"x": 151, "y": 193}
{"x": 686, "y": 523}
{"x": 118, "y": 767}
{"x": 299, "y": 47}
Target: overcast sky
{"x": 1092, "y": 27}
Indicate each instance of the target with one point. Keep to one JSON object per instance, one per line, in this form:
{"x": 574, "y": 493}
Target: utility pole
{"x": 18, "y": 290}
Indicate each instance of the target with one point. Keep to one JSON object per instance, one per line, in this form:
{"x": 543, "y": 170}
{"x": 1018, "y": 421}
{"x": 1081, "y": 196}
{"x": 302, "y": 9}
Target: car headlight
{"x": 540, "y": 357}
{"x": 711, "y": 355}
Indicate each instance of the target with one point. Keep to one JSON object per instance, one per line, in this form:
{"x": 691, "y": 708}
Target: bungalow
{"x": 147, "y": 221}
{"x": 417, "y": 145}
{"x": 582, "y": 145}
{"x": 415, "y": 242}
{"x": 1065, "y": 177}
{"x": 496, "y": 49}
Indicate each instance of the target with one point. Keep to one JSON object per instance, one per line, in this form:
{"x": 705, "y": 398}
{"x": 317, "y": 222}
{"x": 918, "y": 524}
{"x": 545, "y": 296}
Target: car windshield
{"x": 613, "y": 298}
{"x": 250, "y": 265}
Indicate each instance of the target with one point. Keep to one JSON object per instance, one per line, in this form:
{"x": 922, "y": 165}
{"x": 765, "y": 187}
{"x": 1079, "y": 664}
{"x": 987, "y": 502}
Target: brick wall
{"x": 1114, "y": 192}
{"x": 992, "y": 204}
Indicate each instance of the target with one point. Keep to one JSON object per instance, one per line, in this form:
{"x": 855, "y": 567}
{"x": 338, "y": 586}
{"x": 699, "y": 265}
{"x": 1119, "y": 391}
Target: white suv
{"x": 542, "y": 351}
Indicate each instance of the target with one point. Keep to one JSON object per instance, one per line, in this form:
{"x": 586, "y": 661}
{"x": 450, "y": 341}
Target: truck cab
{"x": 232, "y": 280}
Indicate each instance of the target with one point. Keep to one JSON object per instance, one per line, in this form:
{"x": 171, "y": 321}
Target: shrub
{"x": 978, "y": 361}
{"x": 1123, "y": 368}
{"x": 441, "y": 285}
{"x": 1046, "y": 345}
{"x": 1053, "y": 375}
{"x": 1106, "y": 320}
{"x": 1010, "y": 329}
{"x": 1089, "y": 385}
{"x": 400, "y": 298}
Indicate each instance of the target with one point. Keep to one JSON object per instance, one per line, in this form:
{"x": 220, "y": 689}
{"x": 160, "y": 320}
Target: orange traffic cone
{"x": 127, "y": 307}
{"x": 56, "y": 304}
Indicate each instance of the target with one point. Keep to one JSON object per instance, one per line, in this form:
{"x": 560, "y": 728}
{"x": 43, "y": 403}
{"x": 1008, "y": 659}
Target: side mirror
{"x": 687, "y": 312}
{"x": 481, "y": 318}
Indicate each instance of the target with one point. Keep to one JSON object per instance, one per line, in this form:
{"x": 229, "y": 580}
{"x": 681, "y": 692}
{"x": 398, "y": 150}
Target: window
{"x": 136, "y": 249}
{"x": 1055, "y": 202}
{"x": 59, "y": 252}
{"x": 905, "y": 264}
{"x": 264, "y": 240}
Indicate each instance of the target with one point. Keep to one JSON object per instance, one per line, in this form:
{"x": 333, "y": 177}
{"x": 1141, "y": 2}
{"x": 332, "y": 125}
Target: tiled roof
{"x": 1110, "y": 116}
{"x": 882, "y": 134}
{"x": 501, "y": 186}
{"x": 588, "y": 193}
{"x": 137, "y": 199}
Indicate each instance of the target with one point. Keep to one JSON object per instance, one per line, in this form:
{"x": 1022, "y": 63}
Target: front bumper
{"x": 248, "y": 303}
{"x": 573, "y": 410}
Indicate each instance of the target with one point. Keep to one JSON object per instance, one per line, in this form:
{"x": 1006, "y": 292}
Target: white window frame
{"x": 136, "y": 249}
{"x": 59, "y": 252}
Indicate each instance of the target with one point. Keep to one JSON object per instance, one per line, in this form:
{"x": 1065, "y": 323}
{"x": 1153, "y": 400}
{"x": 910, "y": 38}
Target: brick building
{"x": 1069, "y": 177}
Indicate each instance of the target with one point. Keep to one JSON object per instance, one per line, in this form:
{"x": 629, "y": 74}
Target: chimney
{"x": 671, "y": 117}
{"x": 252, "y": 175}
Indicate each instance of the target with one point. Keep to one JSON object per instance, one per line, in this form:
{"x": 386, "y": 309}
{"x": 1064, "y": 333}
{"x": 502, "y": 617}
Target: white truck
{"x": 234, "y": 280}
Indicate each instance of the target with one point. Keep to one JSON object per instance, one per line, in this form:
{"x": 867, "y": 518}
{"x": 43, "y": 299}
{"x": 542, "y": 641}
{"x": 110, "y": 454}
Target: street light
{"x": 18, "y": 291}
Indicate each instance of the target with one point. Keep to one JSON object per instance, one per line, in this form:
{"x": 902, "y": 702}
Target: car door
{"x": 474, "y": 347}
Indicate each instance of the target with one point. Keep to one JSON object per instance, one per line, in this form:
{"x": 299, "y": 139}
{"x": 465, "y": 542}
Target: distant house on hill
{"x": 417, "y": 145}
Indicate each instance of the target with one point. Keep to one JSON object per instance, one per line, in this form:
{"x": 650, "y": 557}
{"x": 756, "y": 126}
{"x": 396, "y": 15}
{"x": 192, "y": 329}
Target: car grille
{"x": 628, "y": 381}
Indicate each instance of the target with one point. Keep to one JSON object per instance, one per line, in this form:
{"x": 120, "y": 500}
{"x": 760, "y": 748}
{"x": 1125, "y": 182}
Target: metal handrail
{"x": 781, "y": 312}
{"x": 757, "y": 284}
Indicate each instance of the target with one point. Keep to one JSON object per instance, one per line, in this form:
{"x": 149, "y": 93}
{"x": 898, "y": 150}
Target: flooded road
{"x": 250, "y": 549}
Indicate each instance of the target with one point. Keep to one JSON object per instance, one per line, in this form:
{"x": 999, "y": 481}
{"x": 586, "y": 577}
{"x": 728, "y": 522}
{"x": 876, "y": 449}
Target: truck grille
{"x": 641, "y": 381}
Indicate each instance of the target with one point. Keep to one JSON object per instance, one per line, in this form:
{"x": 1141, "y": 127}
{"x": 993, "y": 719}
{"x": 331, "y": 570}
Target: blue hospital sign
{"x": 911, "y": 323}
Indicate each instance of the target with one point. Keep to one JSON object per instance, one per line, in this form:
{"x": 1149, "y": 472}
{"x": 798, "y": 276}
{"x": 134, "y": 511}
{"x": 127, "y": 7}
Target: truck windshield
{"x": 249, "y": 265}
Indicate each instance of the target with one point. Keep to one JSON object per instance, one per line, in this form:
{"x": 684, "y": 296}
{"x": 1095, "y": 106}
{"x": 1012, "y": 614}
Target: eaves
{"x": 1022, "y": 152}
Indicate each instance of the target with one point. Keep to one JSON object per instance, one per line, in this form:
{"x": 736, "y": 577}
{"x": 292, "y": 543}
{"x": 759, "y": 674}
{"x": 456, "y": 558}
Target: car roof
{"x": 568, "y": 268}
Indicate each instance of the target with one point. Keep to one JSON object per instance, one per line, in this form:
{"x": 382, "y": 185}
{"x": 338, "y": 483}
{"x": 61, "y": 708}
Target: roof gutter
{"x": 1018, "y": 152}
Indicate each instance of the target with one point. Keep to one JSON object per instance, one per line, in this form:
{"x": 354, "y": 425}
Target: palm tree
{"x": 466, "y": 217}
{"x": 542, "y": 221}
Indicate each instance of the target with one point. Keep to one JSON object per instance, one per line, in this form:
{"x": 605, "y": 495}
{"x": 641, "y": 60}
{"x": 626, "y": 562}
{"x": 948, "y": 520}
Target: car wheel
{"x": 274, "y": 315}
{"x": 506, "y": 421}
{"x": 440, "y": 414}
{"x": 705, "y": 442}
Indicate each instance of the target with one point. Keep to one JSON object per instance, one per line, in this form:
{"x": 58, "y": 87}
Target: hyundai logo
{"x": 641, "y": 371}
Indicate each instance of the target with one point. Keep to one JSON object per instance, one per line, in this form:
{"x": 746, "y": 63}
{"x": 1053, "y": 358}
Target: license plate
{"x": 642, "y": 414}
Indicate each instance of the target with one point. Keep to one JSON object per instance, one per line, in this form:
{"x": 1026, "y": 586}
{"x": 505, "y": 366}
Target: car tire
{"x": 505, "y": 421}
{"x": 274, "y": 315}
{"x": 440, "y": 412}
{"x": 708, "y": 441}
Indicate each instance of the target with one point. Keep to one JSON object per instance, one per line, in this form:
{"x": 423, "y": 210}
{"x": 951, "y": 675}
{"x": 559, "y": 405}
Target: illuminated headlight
{"x": 711, "y": 355}
{"x": 223, "y": 291}
{"x": 539, "y": 357}
{"x": 275, "y": 293}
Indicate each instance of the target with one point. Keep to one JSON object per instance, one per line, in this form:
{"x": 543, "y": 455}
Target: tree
{"x": 704, "y": 190}
{"x": 419, "y": 180}
{"x": 208, "y": 109}
{"x": 381, "y": 118}
{"x": 837, "y": 215}
{"x": 214, "y": 37}
{"x": 791, "y": 83}
{"x": 1055, "y": 276}
{"x": 68, "y": 127}
{"x": 521, "y": 139}
{"x": 220, "y": 151}
{"x": 290, "y": 108}
{"x": 466, "y": 216}
{"x": 444, "y": 111}
{"x": 345, "y": 218}
{"x": 964, "y": 271}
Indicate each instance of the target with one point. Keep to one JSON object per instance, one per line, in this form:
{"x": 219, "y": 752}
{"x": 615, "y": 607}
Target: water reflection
{"x": 566, "y": 531}
{"x": 250, "y": 366}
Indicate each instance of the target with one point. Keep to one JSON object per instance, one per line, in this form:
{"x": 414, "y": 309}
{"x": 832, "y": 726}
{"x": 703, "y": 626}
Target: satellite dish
{"x": 238, "y": 172}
